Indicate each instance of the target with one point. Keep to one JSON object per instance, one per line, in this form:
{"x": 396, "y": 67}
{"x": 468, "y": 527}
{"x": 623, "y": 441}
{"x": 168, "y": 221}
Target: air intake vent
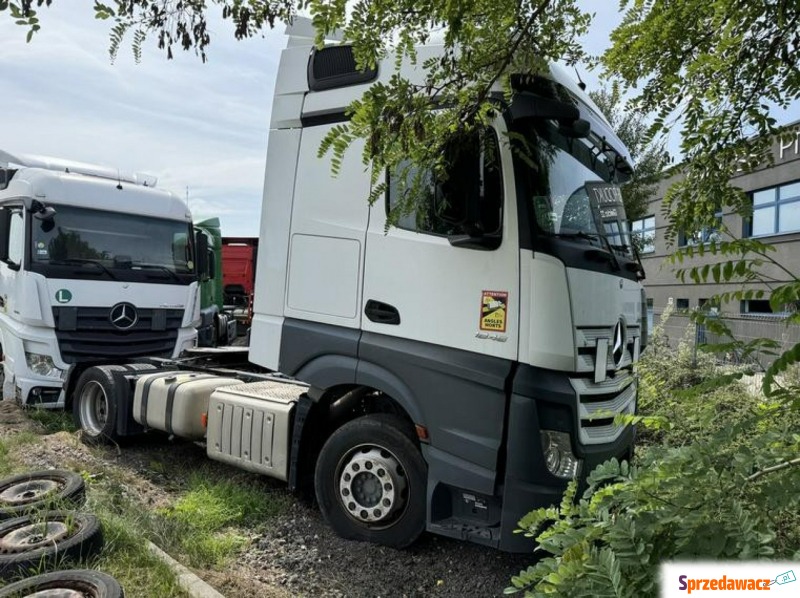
{"x": 334, "y": 67}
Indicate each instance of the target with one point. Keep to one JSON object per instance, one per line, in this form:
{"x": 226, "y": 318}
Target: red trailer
{"x": 239, "y": 275}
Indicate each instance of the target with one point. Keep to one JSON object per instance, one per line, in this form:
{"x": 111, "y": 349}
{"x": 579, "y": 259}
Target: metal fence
{"x": 744, "y": 327}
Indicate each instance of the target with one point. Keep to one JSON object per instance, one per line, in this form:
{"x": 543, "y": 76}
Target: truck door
{"x": 426, "y": 279}
{"x": 440, "y": 307}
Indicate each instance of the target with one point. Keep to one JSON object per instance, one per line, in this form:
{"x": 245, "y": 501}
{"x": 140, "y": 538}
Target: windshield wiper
{"x": 76, "y": 261}
{"x": 579, "y": 235}
{"x": 157, "y": 267}
{"x": 596, "y": 237}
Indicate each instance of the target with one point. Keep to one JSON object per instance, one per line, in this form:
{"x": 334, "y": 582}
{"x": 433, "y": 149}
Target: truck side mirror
{"x": 201, "y": 255}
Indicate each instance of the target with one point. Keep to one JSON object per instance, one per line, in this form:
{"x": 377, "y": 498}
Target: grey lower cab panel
{"x": 249, "y": 426}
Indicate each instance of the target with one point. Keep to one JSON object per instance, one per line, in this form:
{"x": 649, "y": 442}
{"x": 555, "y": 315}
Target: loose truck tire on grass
{"x": 94, "y": 407}
{"x": 36, "y": 490}
{"x": 370, "y": 482}
{"x": 46, "y": 539}
{"x": 84, "y": 582}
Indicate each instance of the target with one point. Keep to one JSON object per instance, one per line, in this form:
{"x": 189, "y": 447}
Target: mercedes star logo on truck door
{"x": 619, "y": 342}
{"x": 123, "y": 316}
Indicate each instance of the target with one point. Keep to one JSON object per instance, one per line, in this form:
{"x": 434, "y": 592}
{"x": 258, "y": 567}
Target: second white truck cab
{"x": 96, "y": 266}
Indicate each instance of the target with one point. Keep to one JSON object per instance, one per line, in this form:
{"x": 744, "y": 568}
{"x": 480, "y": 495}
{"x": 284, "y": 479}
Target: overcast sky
{"x": 194, "y": 125}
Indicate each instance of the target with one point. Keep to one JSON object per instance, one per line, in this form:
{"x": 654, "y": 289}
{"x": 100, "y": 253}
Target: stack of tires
{"x": 40, "y": 531}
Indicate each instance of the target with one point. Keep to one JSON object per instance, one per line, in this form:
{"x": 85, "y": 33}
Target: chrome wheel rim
{"x": 373, "y": 486}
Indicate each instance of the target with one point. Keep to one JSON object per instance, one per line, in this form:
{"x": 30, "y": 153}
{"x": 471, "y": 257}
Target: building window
{"x": 707, "y": 234}
{"x": 775, "y": 210}
{"x": 650, "y": 314}
{"x": 756, "y": 306}
{"x": 681, "y": 304}
{"x": 644, "y": 234}
{"x": 762, "y": 306}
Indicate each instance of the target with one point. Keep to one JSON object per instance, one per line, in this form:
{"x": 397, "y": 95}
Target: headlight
{"x": 558, "y": 457}
{"x": 42, "y": 365}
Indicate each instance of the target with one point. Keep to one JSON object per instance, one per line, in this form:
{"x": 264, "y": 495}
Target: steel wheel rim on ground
{"x": 28, "y": 492}
{"x": 24, "y": 492}
{"x": 60, "y": 593}
{"x": 70, "y": 583}
{"x": 373, "y": 486}
{"x": 93, "y": 407}
{"x": 32, "y": 536}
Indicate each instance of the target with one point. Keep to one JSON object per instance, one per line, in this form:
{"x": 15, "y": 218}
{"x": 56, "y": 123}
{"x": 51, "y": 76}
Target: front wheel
{"x": 370, "y": 482}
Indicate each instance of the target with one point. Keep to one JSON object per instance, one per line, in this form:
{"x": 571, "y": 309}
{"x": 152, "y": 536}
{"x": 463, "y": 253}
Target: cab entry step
{"x": 249, "y": 426}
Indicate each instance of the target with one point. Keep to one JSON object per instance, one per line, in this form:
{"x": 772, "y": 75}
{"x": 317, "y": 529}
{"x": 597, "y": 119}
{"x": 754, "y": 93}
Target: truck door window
{"x": 467, "y": 199}
{"x": 16, "y": 237}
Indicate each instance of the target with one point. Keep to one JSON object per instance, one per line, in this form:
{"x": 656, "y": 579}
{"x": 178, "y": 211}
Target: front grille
{"x": 86, "y": 334}
{"x": 599, "y": 403}
{"x": 586, "y": 343}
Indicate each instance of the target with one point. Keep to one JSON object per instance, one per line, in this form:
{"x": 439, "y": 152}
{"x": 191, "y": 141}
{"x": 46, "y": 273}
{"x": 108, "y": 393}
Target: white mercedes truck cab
{"x": 95, "y": 267}
{"x": 475, "y": 355}
{"x": 450, "y": 373}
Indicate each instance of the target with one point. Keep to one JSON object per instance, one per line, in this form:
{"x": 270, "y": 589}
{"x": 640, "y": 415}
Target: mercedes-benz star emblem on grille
{"x": 619, "y": 343}
{"x": 123, "y": 316}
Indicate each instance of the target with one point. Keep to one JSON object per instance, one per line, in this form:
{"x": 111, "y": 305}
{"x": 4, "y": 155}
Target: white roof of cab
{"x": 61, "y": 165}
{"x": 65, "y": 182}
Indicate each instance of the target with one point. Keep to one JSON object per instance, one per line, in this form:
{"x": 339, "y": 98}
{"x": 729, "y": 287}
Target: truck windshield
{"x": 572, "y": 186}
{"x": 86, "y": 243}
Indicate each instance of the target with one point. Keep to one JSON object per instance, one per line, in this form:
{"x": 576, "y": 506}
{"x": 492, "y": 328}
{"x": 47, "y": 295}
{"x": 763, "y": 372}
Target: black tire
{"x": 370, "y": 481}
{"x": 46, "y": 540}
{"x": 38, "y": 490}
{"x": 85, "y": 581}
{"x": 94, "y": 403}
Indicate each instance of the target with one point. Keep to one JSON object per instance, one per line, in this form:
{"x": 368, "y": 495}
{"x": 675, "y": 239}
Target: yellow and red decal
{"x": 494, "y": 310}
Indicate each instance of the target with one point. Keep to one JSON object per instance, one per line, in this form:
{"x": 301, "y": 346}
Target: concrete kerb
{"x": 195, "y": 586}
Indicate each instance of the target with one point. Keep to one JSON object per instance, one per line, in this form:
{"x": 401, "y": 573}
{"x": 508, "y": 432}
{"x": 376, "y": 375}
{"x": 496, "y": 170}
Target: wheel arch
{"x": 325, "y": 410}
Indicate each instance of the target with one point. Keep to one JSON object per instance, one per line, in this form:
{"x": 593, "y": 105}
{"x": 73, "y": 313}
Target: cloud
{"x": 195, "y": 125}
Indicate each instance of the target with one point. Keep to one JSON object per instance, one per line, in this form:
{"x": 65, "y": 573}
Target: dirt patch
{"x": 296, "y": 554}
{"x": 13, "y": 420}
{"x": 302, "y": 554}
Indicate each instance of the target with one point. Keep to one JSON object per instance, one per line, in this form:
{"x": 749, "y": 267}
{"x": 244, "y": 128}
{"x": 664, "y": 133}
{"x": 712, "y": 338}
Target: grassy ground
{"x": 201, "y": 514}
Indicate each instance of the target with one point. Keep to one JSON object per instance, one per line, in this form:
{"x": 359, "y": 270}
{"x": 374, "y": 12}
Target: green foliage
{"x": 204, "y": 523}
{"x": 5, "y": 464}
{"x": 715, "y": 67}
{"x": 483, "y": 43}
{"x": 719, "y": 482}
{"x": 750, "y": 265}
{"x": 126, "y": 557}
{"x": 53, "y": 421}
{"x": 24, "y": 15}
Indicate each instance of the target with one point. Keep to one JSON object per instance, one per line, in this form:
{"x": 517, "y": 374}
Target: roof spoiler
{"x": 301, "y": 32}
{"x": 60, "y": 165}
